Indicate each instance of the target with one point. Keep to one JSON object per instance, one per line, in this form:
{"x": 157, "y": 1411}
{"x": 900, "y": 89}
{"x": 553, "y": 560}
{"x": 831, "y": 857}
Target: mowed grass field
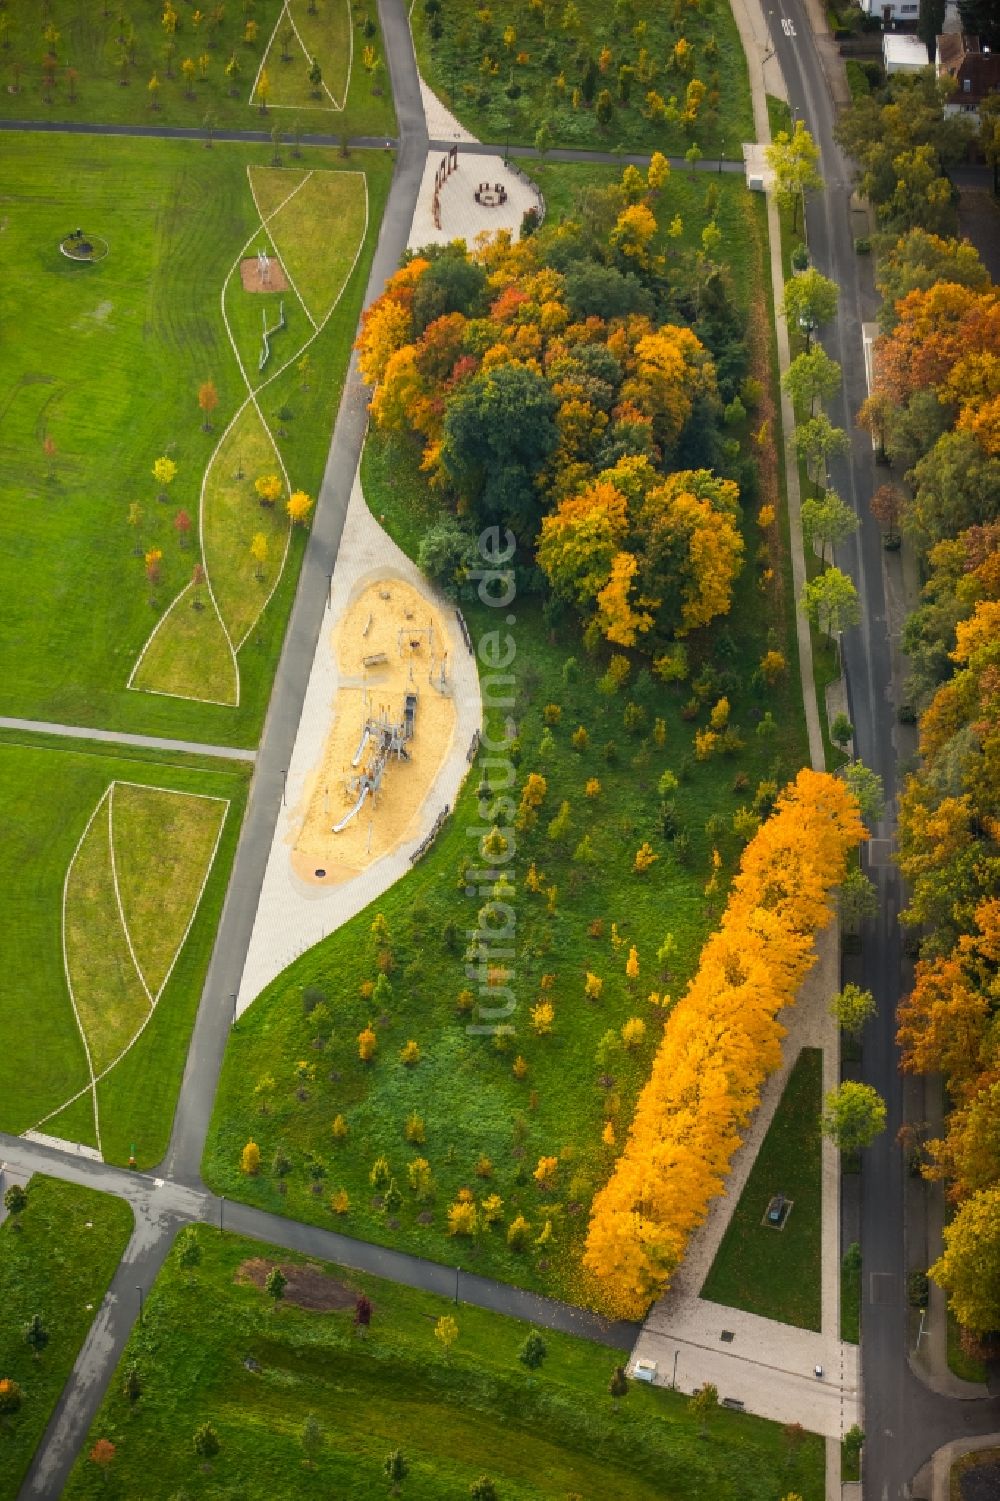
{"x": 48, "y": 796}
{"x": 101, "y": 380}
{"x": 104, "y": 56}
{"x": 57, "y": 1264}
{"x": 776, "y": 1273}
{"x": 552, "y": 1433}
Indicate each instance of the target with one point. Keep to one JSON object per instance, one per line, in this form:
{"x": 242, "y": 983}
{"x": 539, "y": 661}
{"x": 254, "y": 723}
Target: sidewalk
{"x": 767, "y": 1366}
{"x": 933, "y": 1482}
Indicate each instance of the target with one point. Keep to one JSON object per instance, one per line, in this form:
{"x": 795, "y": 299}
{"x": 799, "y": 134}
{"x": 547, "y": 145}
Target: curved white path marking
{"x": 95, "y": 1079}
{"x": 293, "y": 914}
{"x": 253, "y": 392}
{"x": 333, "y": 106}
{"x": 165, "y": 692}
{"x": 92, "y": 1086}
{"x": 118, "y": 894}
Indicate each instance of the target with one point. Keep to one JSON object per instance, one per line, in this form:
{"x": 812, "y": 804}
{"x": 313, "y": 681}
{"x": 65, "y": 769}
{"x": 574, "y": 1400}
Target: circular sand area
{"x": 390, "y": 643}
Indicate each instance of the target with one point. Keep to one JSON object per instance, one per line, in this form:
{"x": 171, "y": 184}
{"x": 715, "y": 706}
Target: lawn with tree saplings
{"x": 308, "y": 1380}
{"x": 57, "y": 1255}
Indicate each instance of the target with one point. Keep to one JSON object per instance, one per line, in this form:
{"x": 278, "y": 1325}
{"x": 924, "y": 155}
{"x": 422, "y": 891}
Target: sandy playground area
{"x": 250, "y": 275}
{"x": 391, "y": 643}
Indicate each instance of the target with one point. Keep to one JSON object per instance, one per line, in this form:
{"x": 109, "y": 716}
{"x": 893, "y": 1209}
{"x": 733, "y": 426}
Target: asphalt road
{"x": 904, "y": 1421}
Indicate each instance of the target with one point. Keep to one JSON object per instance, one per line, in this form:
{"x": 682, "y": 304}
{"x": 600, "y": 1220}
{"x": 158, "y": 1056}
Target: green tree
{"x": 498, "y": 431}
{"x": 132, "y": 1383}
{"x": 852, "y": 1008}
{"x": 817, "y": 441}
{"x": 533, "y": 1351}
{"x": 827, "y": 521}
{"x": 543, "y": 138}
{"x": 841, "y": 731}
{"x": 206, "y": 1441}
{"x": 955, "y": 486}
{"x": 604, "y": 110}
{"x": 396, "y": 1467}
{"x": 853, "y": 1115}
{"x": 703, "y": 1405}
{"x": 36, "y": 1336}
{"x": 810, "y": 301}
{"x": 316, "y": 79}
{"x": 868, "y": 789}
{"x": 189, "y": 1253}
{"x": 930, "y": 24}
{"x": 810, "y": 378}
{"x": 447, "y": 551}
{"x": 857, "y": 899}
{"x": 830, "y": 602}
{"x": 483, "y": 1489}
{"x": 274, "y": 1284}
{"x": 904, "y": 144}
{"x": 16, "y": 1202}
{"x": 794, "y": 160}
{"x": 618, "y": 1385}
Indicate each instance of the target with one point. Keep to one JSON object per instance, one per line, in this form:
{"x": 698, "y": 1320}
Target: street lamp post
{"x": 673, "y": 1381}
{"x": 139, "y": 1291}
{"x": 284, "y": 785}
{"x": 458, "y": 1273}
{"x": 233, "y": 999}
{"x": 222, "y": 1210}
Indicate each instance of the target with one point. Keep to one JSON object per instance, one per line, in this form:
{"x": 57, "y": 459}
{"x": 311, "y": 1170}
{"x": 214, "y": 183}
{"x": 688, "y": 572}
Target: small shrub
{"x": 918, "y": 1289}
{"x": 518, "y": 1232}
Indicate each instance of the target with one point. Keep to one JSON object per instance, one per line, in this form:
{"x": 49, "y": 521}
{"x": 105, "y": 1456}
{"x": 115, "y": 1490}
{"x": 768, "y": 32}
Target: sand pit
{"x": 250, "y": 275}
{"x": 390, "y": 644}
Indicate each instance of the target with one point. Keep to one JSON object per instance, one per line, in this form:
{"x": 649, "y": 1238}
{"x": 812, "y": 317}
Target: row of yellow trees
{"x": 720, "y": 1043}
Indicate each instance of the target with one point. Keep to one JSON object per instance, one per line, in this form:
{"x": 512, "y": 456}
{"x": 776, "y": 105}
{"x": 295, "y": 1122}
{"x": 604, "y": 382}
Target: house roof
{"x": 904, "y": 51}
{"x": 963, "y": 59}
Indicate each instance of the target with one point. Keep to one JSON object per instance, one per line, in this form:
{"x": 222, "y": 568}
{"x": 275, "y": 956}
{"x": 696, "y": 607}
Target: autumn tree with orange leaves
{"x": 563, "y": 423}
{"x": 721, "y": 1041}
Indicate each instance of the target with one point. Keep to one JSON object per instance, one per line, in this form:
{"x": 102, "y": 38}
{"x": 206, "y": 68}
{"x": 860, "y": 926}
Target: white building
{"x": 889, "y": 11}
{"x": 904, "y": 54}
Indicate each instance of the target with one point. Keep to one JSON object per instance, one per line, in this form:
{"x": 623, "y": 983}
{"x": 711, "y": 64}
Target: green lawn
{"x": 49, "y": 796}
{"x": 464, "y": 1087}
{"x": 532, "y": 76}
{"x": 776, "y": 1273}
{"x": 106, "y": 370}
{"x": 57, "y": 1265}
{"x": 102, "y": 66}
{"x": 553, "y": 1433}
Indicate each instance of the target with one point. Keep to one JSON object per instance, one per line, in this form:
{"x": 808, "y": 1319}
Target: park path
{"x": 119, "y": 737}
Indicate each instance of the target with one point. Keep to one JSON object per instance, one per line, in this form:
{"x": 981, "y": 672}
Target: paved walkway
{"x": 119, "y": 737}
{"x": 294, "y": 914}
{"x": 441, "y": 123}
{"x": 462, "y": 218}
{"x": 761, "y": 62}
{"x": 933, "y": 1482}
{"x": 767, "y": 1366}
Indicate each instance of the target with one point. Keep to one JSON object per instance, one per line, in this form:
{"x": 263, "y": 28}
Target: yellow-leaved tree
{"x": 720, "y": 1043}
